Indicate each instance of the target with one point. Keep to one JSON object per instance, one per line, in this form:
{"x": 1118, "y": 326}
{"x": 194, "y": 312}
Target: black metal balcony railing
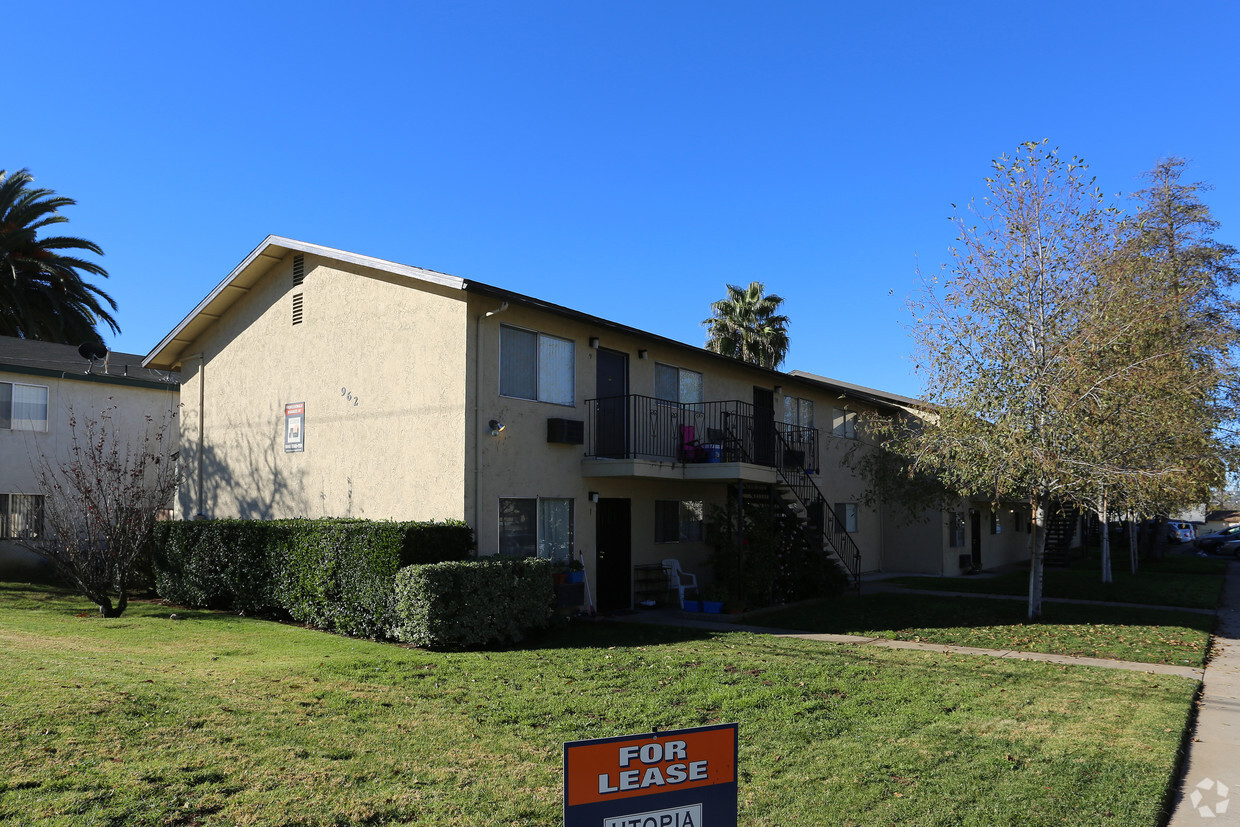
{"x": 642, "y": 427}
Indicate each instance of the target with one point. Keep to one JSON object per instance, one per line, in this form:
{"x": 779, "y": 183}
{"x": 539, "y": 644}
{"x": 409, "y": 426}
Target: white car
{"x": 1179, "y": 532}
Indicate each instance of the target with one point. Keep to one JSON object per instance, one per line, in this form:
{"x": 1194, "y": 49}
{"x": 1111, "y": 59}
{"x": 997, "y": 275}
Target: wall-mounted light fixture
{"x": 643, "y": 354}
{"x": 593, "y": 341}
{"x": 593, "y": 496}
{"x": 496, "y": 426}
{"x": 779, "y": 389}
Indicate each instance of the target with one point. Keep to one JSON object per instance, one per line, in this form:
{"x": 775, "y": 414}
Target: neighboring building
{"x": 42, "y": 385}
{"x": 319, "y": 382}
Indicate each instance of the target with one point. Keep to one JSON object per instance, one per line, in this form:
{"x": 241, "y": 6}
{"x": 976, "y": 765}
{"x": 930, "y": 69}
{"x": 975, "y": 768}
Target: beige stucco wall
{"x": 127, "y": 405}
{"x": 381, "y": 369}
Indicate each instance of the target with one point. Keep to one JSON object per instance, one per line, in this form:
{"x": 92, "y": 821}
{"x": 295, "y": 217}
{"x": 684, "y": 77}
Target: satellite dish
{"x": 92, "y": 350}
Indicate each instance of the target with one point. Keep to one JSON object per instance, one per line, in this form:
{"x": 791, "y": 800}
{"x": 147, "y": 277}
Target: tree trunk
{"x": 1106, "y": 539}
{"x": 1132, "y": 541}
{"x": 1035, "y": 567}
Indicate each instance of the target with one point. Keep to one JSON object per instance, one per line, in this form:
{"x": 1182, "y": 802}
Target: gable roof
{"x": 274, "y": 248}
{"x": 35, "y": 358}
{"x": 252, "y": 268}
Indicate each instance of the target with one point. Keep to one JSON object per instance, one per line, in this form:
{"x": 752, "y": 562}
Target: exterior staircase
{"x": 1060, "y": 531}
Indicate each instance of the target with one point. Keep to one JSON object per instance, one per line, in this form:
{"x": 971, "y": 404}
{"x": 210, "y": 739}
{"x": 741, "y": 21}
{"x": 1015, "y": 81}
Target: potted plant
{"x": 713, "y": 597}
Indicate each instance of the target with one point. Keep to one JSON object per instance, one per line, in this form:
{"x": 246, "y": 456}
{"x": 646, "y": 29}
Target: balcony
{"x": 640, "y": 436}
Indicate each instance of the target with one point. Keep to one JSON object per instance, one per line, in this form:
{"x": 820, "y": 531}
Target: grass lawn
{"x": 1142, "y": 635}
{"x": 217, "y": 719}
{"x": 1188, "y": 582}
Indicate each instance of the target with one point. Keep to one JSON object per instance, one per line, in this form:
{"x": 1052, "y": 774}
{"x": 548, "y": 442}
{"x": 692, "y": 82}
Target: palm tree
{"x": 42, "y": 294}
{"x": 746, "y": 326}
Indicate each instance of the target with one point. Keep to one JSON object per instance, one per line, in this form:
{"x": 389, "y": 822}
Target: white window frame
{"x": 46, "y": 407}
{"x": 542, "y": 392}
{"x": 540, "y": 549}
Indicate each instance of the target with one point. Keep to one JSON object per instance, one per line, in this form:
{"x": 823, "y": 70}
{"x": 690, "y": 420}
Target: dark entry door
{"x": 612, "y": 369}
{"x": 763, "y": 426}
{"x": 975, "y": 527}
{"x": 615, "y": 554}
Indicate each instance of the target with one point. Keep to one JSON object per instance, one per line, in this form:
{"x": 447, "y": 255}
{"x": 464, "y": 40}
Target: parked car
{"x": 1228, "y": 547}
{"x": 1211, "y": 541}
{"x": 1180, "y": 532}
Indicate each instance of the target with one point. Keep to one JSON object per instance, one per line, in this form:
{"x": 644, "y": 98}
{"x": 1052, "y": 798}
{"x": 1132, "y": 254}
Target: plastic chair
{"x": 679, "y": 579}
{"x": 691, "y": 449}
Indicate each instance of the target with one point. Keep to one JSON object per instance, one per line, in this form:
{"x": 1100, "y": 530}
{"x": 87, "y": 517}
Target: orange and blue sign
{"x": 678, "y": 778}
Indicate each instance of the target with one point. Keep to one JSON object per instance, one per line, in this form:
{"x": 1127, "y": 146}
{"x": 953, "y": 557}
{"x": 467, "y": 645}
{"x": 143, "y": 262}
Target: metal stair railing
{"x": 798, "y": 480}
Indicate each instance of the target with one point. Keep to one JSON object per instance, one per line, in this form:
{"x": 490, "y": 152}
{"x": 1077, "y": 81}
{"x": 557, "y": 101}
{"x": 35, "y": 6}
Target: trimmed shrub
{"x": 217, "y": 564}
{"x": 464, "y": 605}
{"x": 331, "y": 574}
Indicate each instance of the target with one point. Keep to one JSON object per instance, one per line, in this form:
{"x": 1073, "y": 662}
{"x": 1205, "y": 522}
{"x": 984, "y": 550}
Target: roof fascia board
{"x": 90, "y": 377}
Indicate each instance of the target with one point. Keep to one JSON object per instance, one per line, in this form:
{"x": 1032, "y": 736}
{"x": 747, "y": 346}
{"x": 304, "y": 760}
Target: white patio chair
{"x": 679, "y": 579}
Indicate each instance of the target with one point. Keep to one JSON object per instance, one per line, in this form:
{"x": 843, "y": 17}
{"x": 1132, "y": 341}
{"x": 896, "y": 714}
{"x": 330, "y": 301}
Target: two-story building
{"x": 43, "y": 386}
{"x": 318, "y": 382}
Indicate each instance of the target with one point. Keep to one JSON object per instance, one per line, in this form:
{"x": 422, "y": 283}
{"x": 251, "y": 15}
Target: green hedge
{"x": 331, "y": 574}
{"x": 472, "y": 604}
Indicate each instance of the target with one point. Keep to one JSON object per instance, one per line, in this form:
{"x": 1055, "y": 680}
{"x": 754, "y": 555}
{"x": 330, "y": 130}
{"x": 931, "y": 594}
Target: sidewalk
{"x": 1209, "y": 786}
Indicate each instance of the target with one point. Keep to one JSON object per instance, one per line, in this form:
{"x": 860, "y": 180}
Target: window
{"x": 995, "y": 528}
{"x": 799, "y": 412}
{"x": 1015, "y": 520}
{"x": 677, "y": 522}
{"x": 847, "y": 515}
{"x": 955, "y": 529}
{"x": 844, "y": 423}
{"x": 674, "y": 384}
{"x": 536, "y": 527}
{"x": 535, "y": 366}
{"x": 21, "y": 516}
{"x": 23, "y": 407}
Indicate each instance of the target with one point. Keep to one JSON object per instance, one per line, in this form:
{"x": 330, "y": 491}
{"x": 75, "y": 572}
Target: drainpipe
{"x": 202, "y": 415}
{"x": 477, "y": 415}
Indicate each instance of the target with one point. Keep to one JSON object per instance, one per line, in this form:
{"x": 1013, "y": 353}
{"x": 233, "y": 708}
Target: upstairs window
{"x": 673, "y": 384}
{"x": 23, "y": 407}
{"x": 799, "y": 412}
{"x": 844, "y": 423}
{"x": 535, "y": 366}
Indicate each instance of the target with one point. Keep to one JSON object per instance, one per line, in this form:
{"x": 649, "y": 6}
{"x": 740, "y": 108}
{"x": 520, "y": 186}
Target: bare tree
{"x": 102, "y": 502}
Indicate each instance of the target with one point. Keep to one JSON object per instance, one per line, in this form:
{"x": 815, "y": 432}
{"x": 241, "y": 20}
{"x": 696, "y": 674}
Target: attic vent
{"x": 299, "y": 270}
{"x": 297, "y": 308}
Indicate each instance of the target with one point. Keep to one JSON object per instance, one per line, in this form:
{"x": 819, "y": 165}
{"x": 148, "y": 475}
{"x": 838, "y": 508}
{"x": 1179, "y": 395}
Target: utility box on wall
{"x": 566, "y": 431}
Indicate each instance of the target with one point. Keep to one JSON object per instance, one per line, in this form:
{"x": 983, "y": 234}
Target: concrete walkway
{"x": 1210, "y": 784}
{"x": 1209, "y": 791}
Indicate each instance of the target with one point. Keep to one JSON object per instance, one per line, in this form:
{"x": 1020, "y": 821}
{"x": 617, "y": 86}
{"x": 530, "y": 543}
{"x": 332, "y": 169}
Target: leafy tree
{"x": 747, "y": 326}
{"x": 102, "y": 503}
{"x": 1055, "y": 356}
{"x": 42, "y": 293}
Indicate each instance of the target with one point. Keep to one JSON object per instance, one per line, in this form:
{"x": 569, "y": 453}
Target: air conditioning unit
{"x": 566, "y": 431}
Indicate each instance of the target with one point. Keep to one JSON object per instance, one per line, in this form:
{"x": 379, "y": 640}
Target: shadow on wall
{"x": 249, "y": 482}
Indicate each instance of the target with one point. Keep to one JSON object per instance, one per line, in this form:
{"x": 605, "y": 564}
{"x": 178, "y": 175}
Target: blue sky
{"x": 624, "y": 159}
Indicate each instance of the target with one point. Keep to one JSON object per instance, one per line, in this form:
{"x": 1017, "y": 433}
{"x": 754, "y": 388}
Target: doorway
{"x": 612, "y": 417}
{"x": 763, "y": 426}
{"x": 614, "y": 566}
{"x": 975, "y": 528}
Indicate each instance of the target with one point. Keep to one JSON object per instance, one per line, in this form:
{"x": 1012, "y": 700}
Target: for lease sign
{"x": 678, "y": 778}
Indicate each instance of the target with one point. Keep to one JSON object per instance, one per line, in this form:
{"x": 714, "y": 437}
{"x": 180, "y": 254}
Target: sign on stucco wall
{"x": 678, "y": 778}
{"x": 294, "y": 427}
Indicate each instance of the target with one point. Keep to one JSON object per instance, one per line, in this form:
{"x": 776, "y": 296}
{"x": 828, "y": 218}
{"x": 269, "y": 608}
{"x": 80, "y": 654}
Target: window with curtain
{"x": 674, "y": 384}
{"x": 535, "y": 366}
{"x": 677, "y": 521}
{"x": 22, "y": 516}
{"x": 536, "y": 527}
{"x": 799, "y": 412}
{"x": 23, "y": 407}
